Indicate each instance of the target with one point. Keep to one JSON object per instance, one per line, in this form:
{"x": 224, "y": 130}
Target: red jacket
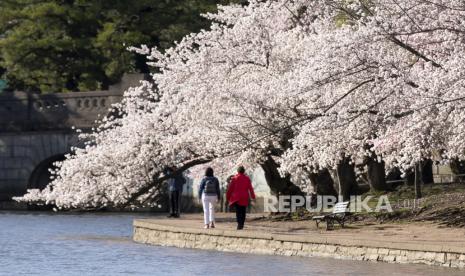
{"x": 239, "y": 189}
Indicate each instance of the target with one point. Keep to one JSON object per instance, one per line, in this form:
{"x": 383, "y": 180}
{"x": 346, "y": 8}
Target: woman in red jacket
{"x": 238, "y": 195}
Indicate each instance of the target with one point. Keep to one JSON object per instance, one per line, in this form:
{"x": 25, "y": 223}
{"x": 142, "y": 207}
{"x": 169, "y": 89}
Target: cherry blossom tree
{"x": 300, "y": 88}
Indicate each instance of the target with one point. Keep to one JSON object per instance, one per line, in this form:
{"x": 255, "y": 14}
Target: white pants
{"x": 208, "y": 202}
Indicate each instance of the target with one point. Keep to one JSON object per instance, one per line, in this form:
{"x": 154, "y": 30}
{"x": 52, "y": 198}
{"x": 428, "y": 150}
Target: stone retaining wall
{"x": 293, "y": 245}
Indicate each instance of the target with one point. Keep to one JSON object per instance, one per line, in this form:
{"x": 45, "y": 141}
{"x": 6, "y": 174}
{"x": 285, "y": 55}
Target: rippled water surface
{"x": 100, "y": 244}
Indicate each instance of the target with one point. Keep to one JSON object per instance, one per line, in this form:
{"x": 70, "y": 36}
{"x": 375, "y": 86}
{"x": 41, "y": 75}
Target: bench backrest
{"x": 341, "y": 207}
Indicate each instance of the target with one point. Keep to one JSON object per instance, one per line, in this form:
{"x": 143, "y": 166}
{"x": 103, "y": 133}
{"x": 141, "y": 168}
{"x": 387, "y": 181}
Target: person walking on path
{"x": 238, "y": 194}
{"x": 224, "y": 202}
{"x": 175, "y": 185}
{"x": 209, "y": 194}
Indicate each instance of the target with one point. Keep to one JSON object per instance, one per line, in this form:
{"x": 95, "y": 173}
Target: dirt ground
{"x": 425, "y": 233}
{"x": 438, "y": 219}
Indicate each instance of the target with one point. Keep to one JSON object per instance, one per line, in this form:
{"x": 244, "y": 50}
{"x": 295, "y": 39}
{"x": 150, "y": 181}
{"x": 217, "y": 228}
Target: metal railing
{"x": 449, "y": 178}
{"x": 438, "y": 178}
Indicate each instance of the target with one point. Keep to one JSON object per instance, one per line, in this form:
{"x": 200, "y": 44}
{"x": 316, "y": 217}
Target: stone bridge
{"x": 36, "y": 130}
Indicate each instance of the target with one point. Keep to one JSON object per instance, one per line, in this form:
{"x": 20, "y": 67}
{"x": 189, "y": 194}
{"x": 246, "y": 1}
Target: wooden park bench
{"x": 339, "y": 214}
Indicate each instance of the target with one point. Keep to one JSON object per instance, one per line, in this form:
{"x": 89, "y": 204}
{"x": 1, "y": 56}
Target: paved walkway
{"x": 412, "y": 236}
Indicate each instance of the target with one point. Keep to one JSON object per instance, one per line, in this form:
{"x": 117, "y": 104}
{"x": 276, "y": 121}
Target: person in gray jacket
{"x": 209, "y": 194}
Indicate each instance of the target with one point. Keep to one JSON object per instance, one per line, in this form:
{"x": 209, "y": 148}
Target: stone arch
{"x": 40, "y": 176}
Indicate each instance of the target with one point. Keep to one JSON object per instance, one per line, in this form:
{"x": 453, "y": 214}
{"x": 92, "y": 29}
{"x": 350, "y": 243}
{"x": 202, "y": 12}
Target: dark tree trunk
{"x": 427, "y": 171}
{"x": 345, "y": 179}
{"x": 322, "y": 183}
{"x": 396, "y": 175}
{"x": 418, "y": 180}
{"x": 279, "y": 185}
{"x": 410, "y": 177}
{"x": 458, "y": 168}
{"x": 377, "y": 175}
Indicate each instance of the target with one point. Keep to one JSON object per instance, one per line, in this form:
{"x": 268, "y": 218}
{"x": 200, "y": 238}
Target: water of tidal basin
{"x": 100, "y": 244}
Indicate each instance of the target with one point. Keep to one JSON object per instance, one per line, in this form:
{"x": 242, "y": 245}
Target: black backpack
{"x": 210, "y": 186}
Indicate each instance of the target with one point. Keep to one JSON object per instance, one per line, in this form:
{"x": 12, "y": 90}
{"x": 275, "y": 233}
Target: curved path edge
{"x": 155, "y": 233}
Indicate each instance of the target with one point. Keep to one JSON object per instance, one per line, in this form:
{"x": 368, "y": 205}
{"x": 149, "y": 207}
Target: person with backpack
{"x": 239, "y": 191}
{"x": 209, "y": 194}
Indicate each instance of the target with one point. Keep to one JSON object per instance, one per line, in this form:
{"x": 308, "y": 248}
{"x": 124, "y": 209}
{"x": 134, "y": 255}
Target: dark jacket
{"x": 175, "y": 182}
{"x": 203, "y": 184}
